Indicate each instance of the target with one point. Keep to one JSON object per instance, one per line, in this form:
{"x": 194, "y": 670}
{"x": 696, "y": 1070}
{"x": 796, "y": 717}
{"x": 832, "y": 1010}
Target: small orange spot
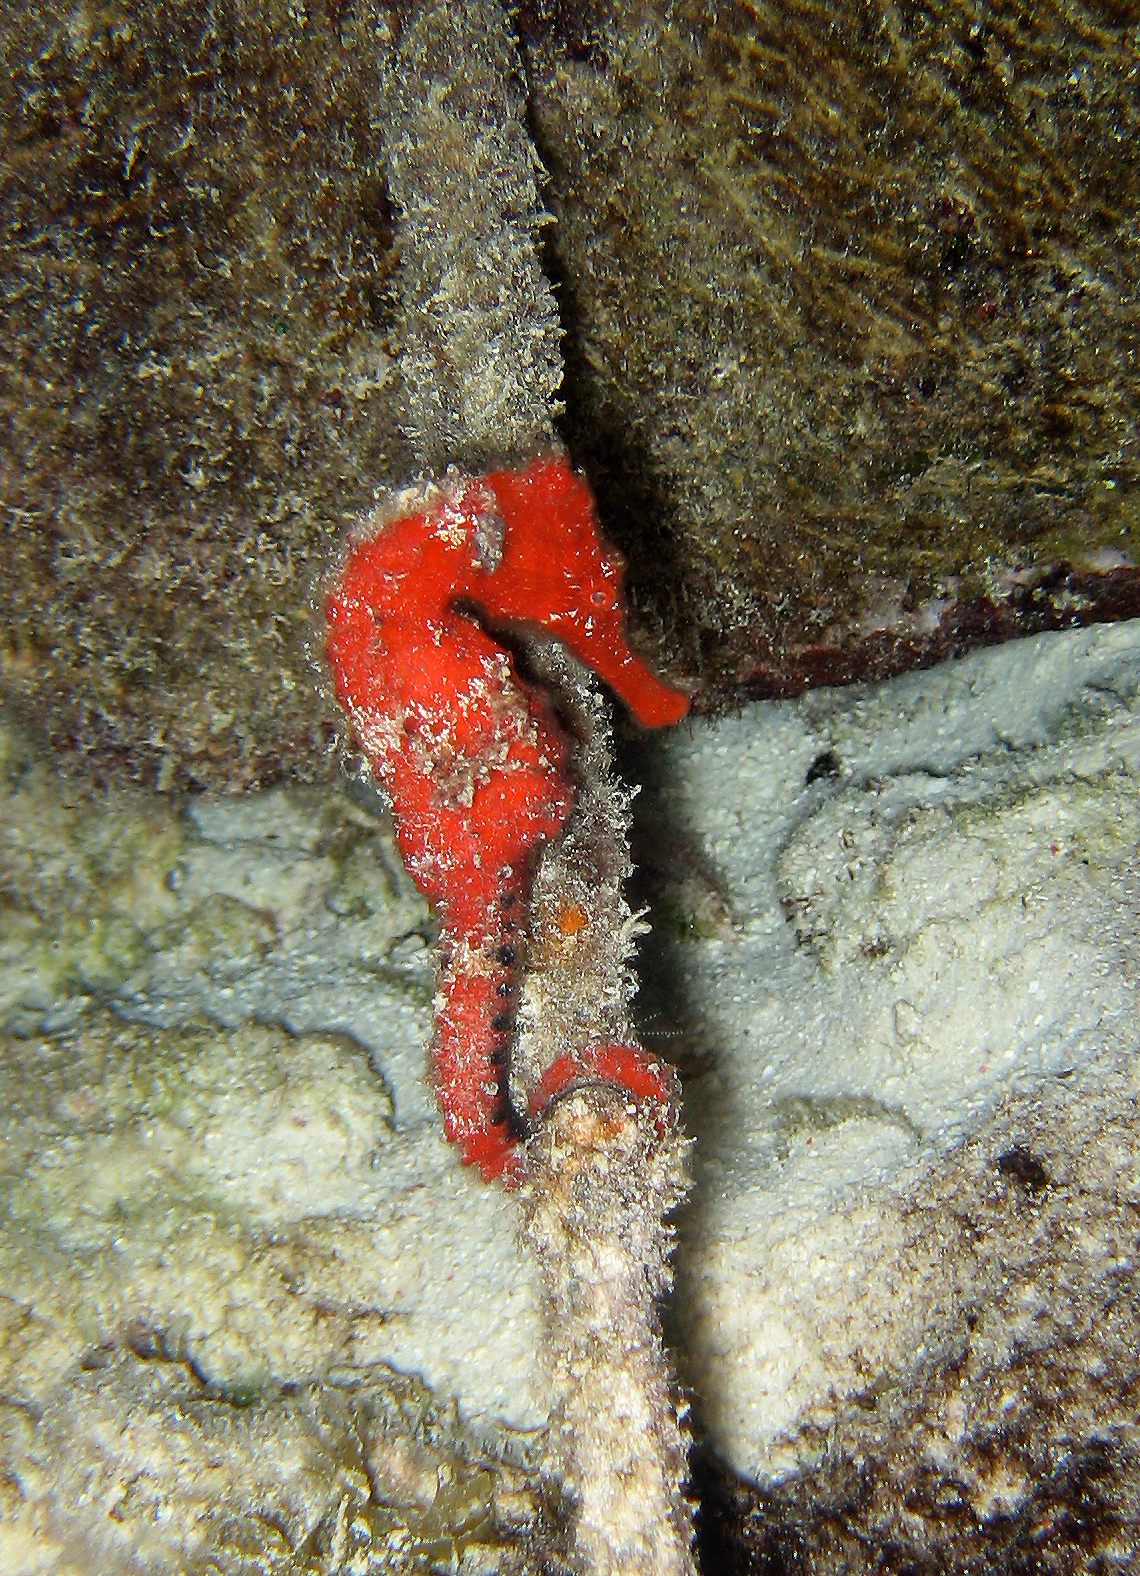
{"x": 571, "y": 920}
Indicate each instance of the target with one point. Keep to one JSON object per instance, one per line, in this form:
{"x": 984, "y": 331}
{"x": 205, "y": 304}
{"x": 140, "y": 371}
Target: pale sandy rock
{"x": 942, "y": 920}
{"x": 896, "y": 949}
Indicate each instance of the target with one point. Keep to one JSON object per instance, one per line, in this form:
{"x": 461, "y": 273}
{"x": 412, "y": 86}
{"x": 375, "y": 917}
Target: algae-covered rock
{"x": 225, "y": 1226}
{"x": 201, "y": 1275}
{"x": 133, "y": 1463}
{"x": 849, "y": 300}
{"x": 899, "y": 969}
{"x": 218, "y": 909}
{"x": 907, "y": 1291}
{"x": 1005, "y": 1439}
{"x": 850, "y": 293}
{"x": 194, "y": 377}
{"x": 1002, "y": 1436}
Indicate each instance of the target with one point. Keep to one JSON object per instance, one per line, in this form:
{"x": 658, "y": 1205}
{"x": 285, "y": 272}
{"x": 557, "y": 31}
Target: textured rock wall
{"x": 1007, "y": 1442}
{"x": 896, "y": 956}
{"x": 849, "y": 299}
{"x": 195, "y": 381}
{"x": 850, "y": 296}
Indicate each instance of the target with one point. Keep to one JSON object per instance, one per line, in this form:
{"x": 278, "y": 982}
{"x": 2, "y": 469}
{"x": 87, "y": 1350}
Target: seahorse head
{"x": 540, "y": 562}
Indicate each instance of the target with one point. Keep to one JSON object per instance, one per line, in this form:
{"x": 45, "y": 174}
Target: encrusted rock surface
{"x": 849, "y": 301}
{"x": 1001, "y": 1433}
{"x": 850, "y": 336}
{"x": 195, "y": 382}
{"x": 850, "y": 294}
{"x": 192, "y": 1265}
{"x": 896, "y": 954}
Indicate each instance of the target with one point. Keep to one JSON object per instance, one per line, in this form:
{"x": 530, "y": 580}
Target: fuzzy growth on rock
{"x": 481, "y": 364}
{"x": 602, "y": 1180}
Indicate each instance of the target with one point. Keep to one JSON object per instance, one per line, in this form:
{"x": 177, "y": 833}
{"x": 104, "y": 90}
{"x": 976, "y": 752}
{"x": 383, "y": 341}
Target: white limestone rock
{"x": 220, "y": 1155}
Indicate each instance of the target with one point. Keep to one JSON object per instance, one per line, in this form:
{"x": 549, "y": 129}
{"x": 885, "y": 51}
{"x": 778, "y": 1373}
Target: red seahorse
{"x": 471, "y": 755}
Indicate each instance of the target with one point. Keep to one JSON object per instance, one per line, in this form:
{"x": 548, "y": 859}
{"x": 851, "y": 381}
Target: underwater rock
{"x": 848, "y": 335}
{"x": 850, "y": 325}
{"x": 895, "y": 956}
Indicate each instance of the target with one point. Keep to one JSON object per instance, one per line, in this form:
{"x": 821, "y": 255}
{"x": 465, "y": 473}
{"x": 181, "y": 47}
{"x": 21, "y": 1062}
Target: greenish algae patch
{"x": 194, "y": 1282}
{"x": 100, "y": 891}
{"x": 369, "y": 1478}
